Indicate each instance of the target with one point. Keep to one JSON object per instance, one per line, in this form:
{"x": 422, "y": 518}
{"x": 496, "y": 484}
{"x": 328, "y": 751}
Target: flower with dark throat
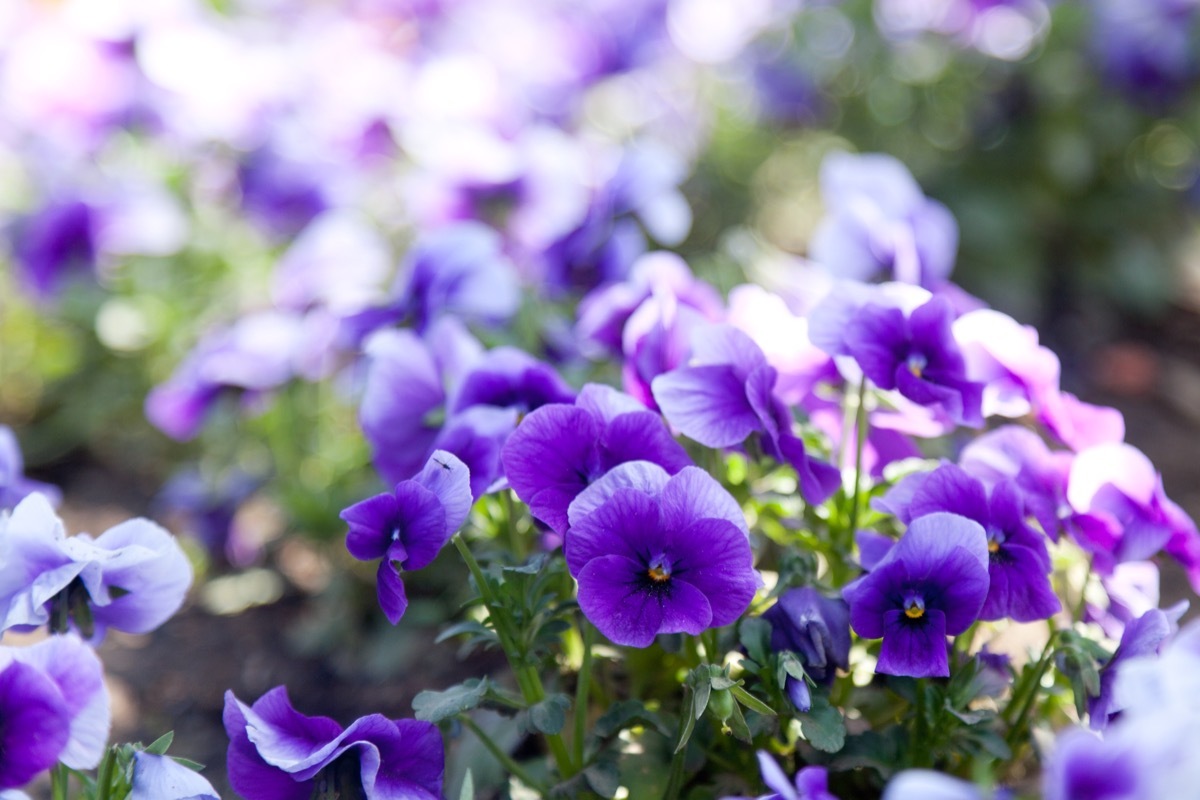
{"x": 674, "y": 560}
{"x": 931, "y": 585}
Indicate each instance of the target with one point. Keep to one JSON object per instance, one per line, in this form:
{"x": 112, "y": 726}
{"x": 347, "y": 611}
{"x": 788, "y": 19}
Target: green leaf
{"x": 789, "y": 666}
{"x": 737, "y": 725}
{"x": 531, "y": 567}
{"x": 689, "y": 721}
{"x": 550, "y": 715}
{"x": 701, "y": 682}
{"x": 823, "y": 725}
{"x": 194, "y": 766}
{"x": 159, "y": 746}
{"x": 604, "y": 778}
{"x": 437, "y": 706}
{"x": 625, "y": 714}
{"x": 468, "y": 787}
{"x": 751, "y": 702}
{"x": 755, "y": 635}
{"x": 469, "y": 626}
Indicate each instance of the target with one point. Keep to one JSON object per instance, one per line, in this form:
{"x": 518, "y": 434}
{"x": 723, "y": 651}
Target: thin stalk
{"x": 105, "y": 774}
{"x": 504, "y": 758}
{"x": 675, "y": 782}
{"x": 1017, "y": 732}
{"x": 59, "y": 778}
{"x": 921, "y": 756}
{"x": 860, "y": 438}
{"x": 583, "y": 690}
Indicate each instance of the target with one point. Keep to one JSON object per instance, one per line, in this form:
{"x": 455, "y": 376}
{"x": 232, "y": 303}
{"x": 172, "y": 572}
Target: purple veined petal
{"x": 1019, "y": 586}
{"x": 914, "y": 650}
{"x": 610, "y": 599}
{"x": 77, "y": 672}
{"x": 714, "y": 556}
{"x": 692, "y": 494}
{"x": 606, "y": 403}
{"x": 950, "y": 488}
{"x": 249, "y": 774}
{"x": 155, "y": 586}
{"x": 389, "y": 588}
{"x": 1120, "y": 465}
{"x": 897, "y": 501}
{"x": 36, "y": 722}
{"x": 878, "y": 339}
{"x": 707, "y": 404}
{"x": 925, "y": 784}
{"x": 627, "y": 524}
{"x": 371, "y": 522}
{"x": 818, "y": 480}
{"x": 158, "y": 777}
{"x": 872, "y": 595}
{"x": 421, "y": 525}
{"x": 643, "y": 476}
{"x": 931, "y": 538}
{"x": 722, "y": 344}
{"x": 872, "y": 548}
{"x": 411, "y": 762}
{"x": 640, "y": 436}
{"x": 511, "y": 378}
{"x": 775, "y": 778}
{"x": 775, "y": 419}
{"x": 477, "y": 437}
{"x": 549, "y": 460}
{"x": 449, "y": 480}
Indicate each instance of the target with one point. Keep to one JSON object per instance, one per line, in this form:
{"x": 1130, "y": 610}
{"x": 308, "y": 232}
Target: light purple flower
{"x": 1077, "y": 424}
{"x": 1084, "y": 766}
{"x": 811, "y": 783}
{"x": 14, "y": 486}
{"x": 277, "y": 753}
{"x": 407, "y": 528}
{"x": 670, "y": 561}
{"x": 726, "y": 394}
{"x": 158, "y": 777}
{"x": 54, "y": 243}
{"x": 1006, "y": 358}
{"x": 1146, "y": 50}
{"x": 1143, "y": 636}
{"x": 559, "y": 450}
{"x": 931, "y": 585}
{"x": 133, "y": 577}
{"x": 924, "y": 784}
{"x": 879, "y": 221}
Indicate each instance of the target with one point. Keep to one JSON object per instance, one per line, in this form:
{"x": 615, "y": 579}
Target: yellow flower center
{"x": 914, "y": 612}
{"x": 658, "y": 574}
{"x": 993, "y": 547}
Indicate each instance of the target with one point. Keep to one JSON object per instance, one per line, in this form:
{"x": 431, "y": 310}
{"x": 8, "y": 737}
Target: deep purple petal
{"x": 550, "y": 459}
{"x": 878, "y": 341}
{"x": 389, "y": 588}
{"x": 707, "y": 404}
{"x": 371, "y": 522}
{"x": 872, "y": 547}
{"x": 818, "y": 480}
{"x": 725, "y": 344}
{"x": 931, "y": 538}
{"x": 283, "y": 736}
{"x": 641, "y": 436}
{"x": 645, "y": 477}
{"x": 628, "y": 524}
{"x": 873, "y": 595}
{"x": 35, "y": 723}
{"x": 914, "y": 648}
{"x": 714, "y": 556}
{"x": 612, "y": 595}
{"x": 249, "y": 775}
{"x": 412, "y": 761}
{"x": 421, "y": 527}
{"x": 693, "y": 495}
{"x": 950, "y": 488}
{"x": 1019, "y": 586}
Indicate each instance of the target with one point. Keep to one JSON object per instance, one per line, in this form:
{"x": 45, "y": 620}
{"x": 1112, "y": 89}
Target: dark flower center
{"x": 341, "y": 780}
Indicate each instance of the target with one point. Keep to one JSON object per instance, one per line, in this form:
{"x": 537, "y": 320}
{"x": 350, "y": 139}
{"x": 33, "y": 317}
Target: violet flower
{"x": 158, "y": 777}
{"x": 132, "y": 577}
{"x": 1142, "y": 637}
{"x": 1084, "y": 766}
{"x": 917, "y": 355}
{"x": 931, "y": 585}
{"x": 817, "y": 629}
{"x": 925, "y": 784}
{"x": 811, "y": 783}
{"x": 277, "y": 753}
{"x": 14, "y": 486}
{"x": 559, "y": 450}
{"x": 1147, "y": 50}
{"x": 879, "y": 221}
{"x": 1018, "y": 562}
{"x": 726, "y": 394}
{"x": 53, "y": 707}
{"x": 55, "y": 242}
{"x": 671, "y": 561}
{"x": 408, "y": 527}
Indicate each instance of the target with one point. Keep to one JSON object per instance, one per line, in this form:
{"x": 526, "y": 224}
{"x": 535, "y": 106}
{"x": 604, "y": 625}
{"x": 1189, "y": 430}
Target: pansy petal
{"x": 549, "y": 458}
{"x": 448, "y": 478}
{"x": 950, "y": 488}
{"x": 916, "y": 649}
{"x": 372, "y": 523}
{"x": 421, "y": 524}
{"x": 1019, "y": 587}
{"x": 627, "y": 524}
{"x": 389, "y": 588}
{"x": 158, "y": 777}
{"x": 74, "y": 667}
{"x": 642, "y": 476}
{"x": 611, "y": 596}
{"x": 707, "y": 404}
{"x": 606, "y": 403}
{"x": 155, "y": 587}
{"x": 249, "y": 774}
{"x": 641, "y": 436}
{"x": 774, "y": 777}
{"x": 715, "y": 557}
{"x": 412, "y": 761}
{"x": 692, "y": 495}
{"x": 35, "y": 718}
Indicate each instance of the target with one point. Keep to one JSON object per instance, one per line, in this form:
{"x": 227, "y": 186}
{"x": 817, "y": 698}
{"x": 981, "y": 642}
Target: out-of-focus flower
{"x": 931, "y": 585}
{"x": 1083, "y": 765}
{"x": 1147, "y": 50}
{"x": 811, "y": 783}
{"x": 817, "y": 629}
{"x": 54, "y": 707}
{"x": 279, "y": 192}
{"x": 1004, "y": 29}
{"x": 14, "y": 486}
{"x": 1142, "y": 637}
{"x": 879, "y": 222}
{"x": 406, "y": 528}
{"x": 158, "y": 777}
{"x": 132, "y": 577}
{"x": 671, "y": 561}
{"x": 54, "y": 243}
{"x": 207, "y": 509}
{"x": 277, "y": 753}
{"x": 559, "y": 450}
{"x": 1006, "y": 358}
{"x": 925, "y": 784}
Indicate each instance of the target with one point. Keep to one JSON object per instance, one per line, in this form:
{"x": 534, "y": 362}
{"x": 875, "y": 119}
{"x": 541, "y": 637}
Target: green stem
{"x": 104, "y": 775}
{"x": 921, "y": 756}
{"x": 515, "y": 543}
{"x": 504, "y": 758}
{"x": 860, "y": 438}
{"x": 59, "y": 778}
{"x": 1027, "y": 700}
{"x": 582, "y": 690}
{"x": 675, "y": 782}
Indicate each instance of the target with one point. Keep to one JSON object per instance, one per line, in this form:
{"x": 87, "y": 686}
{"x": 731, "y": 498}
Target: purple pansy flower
{"x": 279, "y": 192}
{"x": 879, "y": 221}
{"x": 665, "y": 561}
{"x": 54, "y": 242}
{"x": 34, "y": 727}
{"x": 916, "y": 354}
{"x": 931, "y": 585}
{"x": 1142, "y": 637}
{"x": 559, "y": 450}
{"x": 207, "y": 508}
{"x": 14, "y": 486}
{"x": 408, "y": 527}
{"x": 1084, "y": 766}
{"x": 158, "y": 777}
{"x": 925, "y": 784}
{"x": 1147, "y": 50}
{"x": 811, "y": 783}
{"x": 726, "y": 393}
{"x": 817, "y": 629}
{"x": 277, "y": 753}
{"x": 1018, "y": 562}
{"x": 1006, "y": 357}
{"x": 132, "y": 577}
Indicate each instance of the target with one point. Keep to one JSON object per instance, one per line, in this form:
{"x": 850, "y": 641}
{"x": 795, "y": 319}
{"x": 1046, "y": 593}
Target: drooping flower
{"x": 158, "y": 777}
{"x": 817, "y": 629}
{"x": 811, "y": 783}
{"x": 53, "y": 707}
{"x": 1018, "y": 562}
{"x": 559, "y": 450}
{"x": 14, "y": 486}
{"x": 409, "y": 526}
{"x": 931, "y": 585}
{"x": 674, "y": 560}
{"x": 277, "y": 753}
{"x": 133, "y": 577}
{"x": 726, "y": 393}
